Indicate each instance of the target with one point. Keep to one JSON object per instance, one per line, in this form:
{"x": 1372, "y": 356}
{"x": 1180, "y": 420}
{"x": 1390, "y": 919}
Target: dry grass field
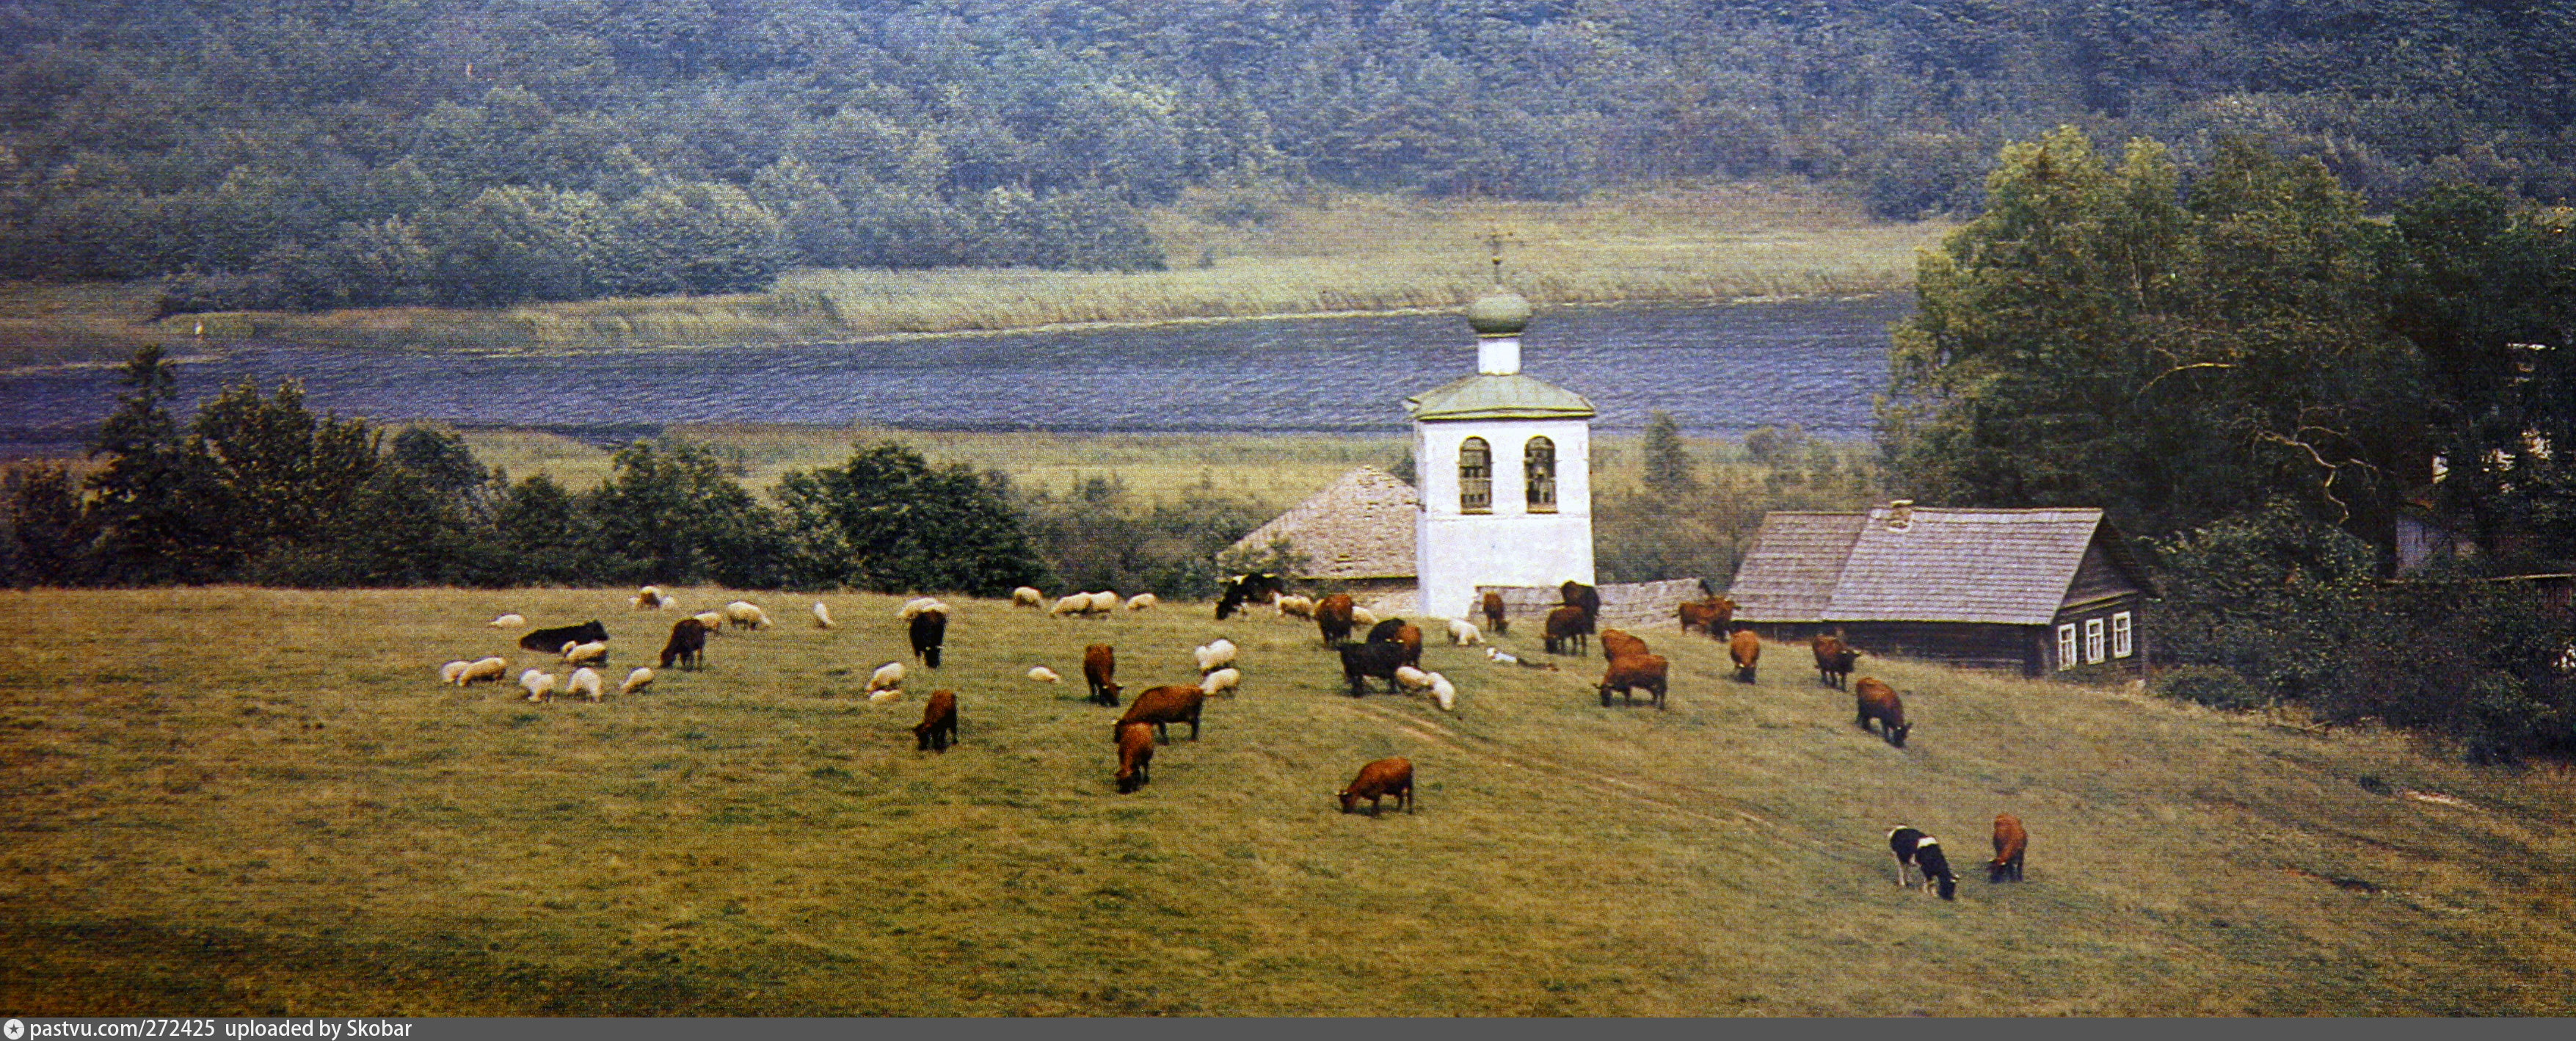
{"x": 1344, "y": 254}
{"x": 237, "y": 800}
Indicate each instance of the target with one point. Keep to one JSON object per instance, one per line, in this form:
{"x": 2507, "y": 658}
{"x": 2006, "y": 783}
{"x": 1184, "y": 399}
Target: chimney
{"x": 1900, "y": 514}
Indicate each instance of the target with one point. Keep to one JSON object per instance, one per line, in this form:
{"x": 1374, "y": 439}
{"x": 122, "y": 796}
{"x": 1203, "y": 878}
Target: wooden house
{"x": 2034, "y": 591}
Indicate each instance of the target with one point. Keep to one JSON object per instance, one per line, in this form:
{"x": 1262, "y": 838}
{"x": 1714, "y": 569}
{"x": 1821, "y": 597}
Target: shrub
{"x": 2210, "y": 685}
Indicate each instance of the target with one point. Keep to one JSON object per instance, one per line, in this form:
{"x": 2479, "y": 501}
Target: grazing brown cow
{"x": 1710, "y": 616}
{"x": 1567, "y": 625}
{"x": 1333, "y": 617}
{"x": 1834, "y": 659}
{"x": 1746, "y": 649}
{"x": 2010, "y": 843}
{"x": 1378, "y": 780}
{"x": 1409, "y": 637}
{"x": 1494, "y": 619}
{"x": 938, "y": 726}
{"x": 1617, "y": 644}
{"x": 1100, "y": 669}
{"x": 1576, "y": 594}
{"x": 1879, "y": 701}
{"x": 688, "y": 644}
{"x": 1135, "y": 751}
{"x": 1629, "y": 671}
{"x": 1164, "y": 706}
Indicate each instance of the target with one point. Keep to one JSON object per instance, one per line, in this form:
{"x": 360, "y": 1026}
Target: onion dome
{"x": 1500, "y": 312}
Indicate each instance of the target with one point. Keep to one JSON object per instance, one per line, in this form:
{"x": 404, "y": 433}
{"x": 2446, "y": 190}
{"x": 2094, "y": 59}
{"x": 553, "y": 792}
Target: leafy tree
{"x": 279, "y": 475}
{"x": 51, "y": 532}
{"x": 2098, "y": 337}
{"x": 670, "y": 514}
{"x": 888, "y": 522}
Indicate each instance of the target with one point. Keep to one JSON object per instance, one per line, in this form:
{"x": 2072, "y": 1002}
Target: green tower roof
{"x": 1500, "y": 312}
{"x": 1498, "y": 397}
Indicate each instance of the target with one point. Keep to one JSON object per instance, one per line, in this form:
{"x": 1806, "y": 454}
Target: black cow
{"x": 1384, "y": 632}
{"x": 1363, "y": 660}
{"x": 929, "y": 631}
{"x": 1259, "y": 587}
{"x": 551, "y": 641}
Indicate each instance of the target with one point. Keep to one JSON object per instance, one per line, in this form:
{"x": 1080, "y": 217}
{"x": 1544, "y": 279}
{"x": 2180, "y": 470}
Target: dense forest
{"x": 316, "y": 153}
{"x": 2263, "y": 382}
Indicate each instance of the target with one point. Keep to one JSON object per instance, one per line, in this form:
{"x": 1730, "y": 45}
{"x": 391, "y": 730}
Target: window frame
{"x": 2123, "y": 634}
{"x": 1476, "y": 487}
{"x": 2094, "y": 642}
{"x": 2066, "y": 647}
{"x": 1538, "y": 478}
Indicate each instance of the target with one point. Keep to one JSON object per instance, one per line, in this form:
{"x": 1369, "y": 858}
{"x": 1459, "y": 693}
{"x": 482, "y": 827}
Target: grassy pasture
{"x": 239, "y": 800}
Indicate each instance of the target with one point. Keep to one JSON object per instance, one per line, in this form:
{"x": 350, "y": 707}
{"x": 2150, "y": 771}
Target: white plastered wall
{"x": 1456, "y": 552}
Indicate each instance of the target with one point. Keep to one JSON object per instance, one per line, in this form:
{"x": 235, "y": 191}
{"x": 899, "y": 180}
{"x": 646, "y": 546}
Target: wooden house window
{"x": 2066, "y": 646}
{"x": 1538, "y": 462}
{"x": 2121, "y": 645}
{"x": 1475, "y": 477}
{"x": 2092, "y": 641}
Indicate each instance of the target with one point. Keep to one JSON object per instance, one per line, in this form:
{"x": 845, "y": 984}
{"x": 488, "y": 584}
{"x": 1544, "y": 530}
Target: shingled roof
{"x": 2011, "y": 567}
{"x": 1360, "y": 527}
{"x": 1788, "y": 573}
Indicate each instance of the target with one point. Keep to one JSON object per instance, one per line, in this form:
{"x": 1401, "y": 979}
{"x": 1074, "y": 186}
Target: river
{"x": 1718, "y": 370}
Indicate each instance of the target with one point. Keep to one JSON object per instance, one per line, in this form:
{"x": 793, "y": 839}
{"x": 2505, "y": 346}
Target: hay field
{"x": 233, "y": 800}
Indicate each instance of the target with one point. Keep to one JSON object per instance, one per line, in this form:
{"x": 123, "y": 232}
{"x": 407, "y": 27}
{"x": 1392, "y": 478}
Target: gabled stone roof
{"x": 2009, "y": 567}
{"x": 1359, "y": 527}
{"x": 1481, "y": 396}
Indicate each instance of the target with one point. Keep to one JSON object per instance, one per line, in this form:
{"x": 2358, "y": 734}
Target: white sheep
{"x": 1412, "y": 680}
{"x": 1444, "y": 693}
{"x": 888, "y": 676}
{"x": 637, "y": 680}
{"x": 592, "y": 653}
{"x": 1143, "y": 602}
{"x": 585, "y": 682}
{"x": 507, "y": 621}
{"x": 650, "y": 598}
{"x": 1464, "y": 633}
{"x": 746, "y": 614}
{"x": 822, "y": 616}
{"x": 483, "y": 670}
{"x": 713, "y": 621}
{"x": 1072, "y": 603}
{"x": 1222, "y": 681}
{"x": 448, "y": 673}
{"x": 1218, "y": 654}
{"x": 1296, "y": 606}
{"x": 1027, "y": 596}
{"x": 915, "y": 606}
{"x": 1363, "y": 617}
{"x": 1103, "y": 602}
{"x": 540, "y": 685}
{"x": 1043, "y": 674}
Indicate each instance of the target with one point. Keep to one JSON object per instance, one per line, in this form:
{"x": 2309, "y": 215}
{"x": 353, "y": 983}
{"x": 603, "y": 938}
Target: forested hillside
{"x": 312, "y": 153}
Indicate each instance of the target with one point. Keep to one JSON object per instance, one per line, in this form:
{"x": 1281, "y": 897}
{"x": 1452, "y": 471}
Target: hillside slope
{"x": 240, "y": 800}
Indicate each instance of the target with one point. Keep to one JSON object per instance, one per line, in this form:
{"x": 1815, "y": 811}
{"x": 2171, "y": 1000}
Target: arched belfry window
{"x": 1539, "y": 462}
{"x": 1475, "y": 477}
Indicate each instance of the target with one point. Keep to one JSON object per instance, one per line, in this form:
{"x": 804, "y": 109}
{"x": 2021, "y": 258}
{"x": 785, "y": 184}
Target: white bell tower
{"x": 1502, "y": 461}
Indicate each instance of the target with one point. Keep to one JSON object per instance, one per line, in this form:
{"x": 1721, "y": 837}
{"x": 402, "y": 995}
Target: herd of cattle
{"x": 1390, "y": 651}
